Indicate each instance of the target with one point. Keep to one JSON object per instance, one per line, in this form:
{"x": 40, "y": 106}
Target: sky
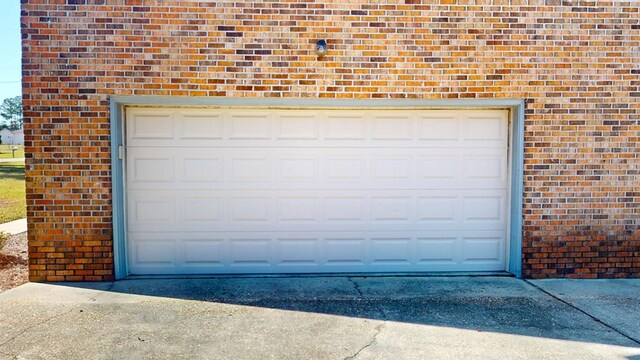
{"x": 10, "y": 49}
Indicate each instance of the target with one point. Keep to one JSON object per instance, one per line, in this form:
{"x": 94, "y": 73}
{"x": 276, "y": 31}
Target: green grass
{"x": 5, "y": 151}
{"x": 13, "y": 204}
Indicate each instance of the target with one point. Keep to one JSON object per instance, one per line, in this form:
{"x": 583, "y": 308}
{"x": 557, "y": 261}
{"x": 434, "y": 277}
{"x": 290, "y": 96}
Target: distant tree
{"x": 11, "y": 111}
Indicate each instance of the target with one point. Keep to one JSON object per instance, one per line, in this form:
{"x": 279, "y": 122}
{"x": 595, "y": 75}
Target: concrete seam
{"x": 593, "y": 317}
{"x": 55, "y": 316}
{"x": 38, "y": 324}
{"x": 373, "y": 340}
{"x": 361, "y": 294}
{"x": 356, "y": 286}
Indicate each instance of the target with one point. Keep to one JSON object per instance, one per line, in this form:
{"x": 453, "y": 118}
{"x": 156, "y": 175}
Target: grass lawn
{"x": 5, "y": 151}
{"x": 13, "y": 205}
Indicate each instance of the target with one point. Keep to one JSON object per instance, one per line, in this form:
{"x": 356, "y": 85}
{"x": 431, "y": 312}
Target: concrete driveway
{"x": 323, "y": 318}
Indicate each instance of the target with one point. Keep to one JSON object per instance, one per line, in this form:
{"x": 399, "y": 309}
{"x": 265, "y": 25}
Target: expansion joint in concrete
{"x": 593, "y": 317}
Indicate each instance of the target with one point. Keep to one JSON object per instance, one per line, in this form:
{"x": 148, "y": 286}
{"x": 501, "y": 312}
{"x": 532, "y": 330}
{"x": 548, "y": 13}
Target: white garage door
{"x": 310, "y": 191}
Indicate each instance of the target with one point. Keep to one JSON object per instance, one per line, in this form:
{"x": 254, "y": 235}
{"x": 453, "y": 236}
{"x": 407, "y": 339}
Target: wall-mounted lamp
{"x": 321, "y": 48}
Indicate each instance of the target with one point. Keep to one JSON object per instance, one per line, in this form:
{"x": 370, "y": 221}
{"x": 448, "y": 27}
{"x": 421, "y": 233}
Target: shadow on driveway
{"x": 483, "y": 304}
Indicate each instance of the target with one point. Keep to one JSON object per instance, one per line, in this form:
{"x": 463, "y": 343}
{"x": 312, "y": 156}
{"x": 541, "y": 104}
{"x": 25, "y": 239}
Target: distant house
{"x": 18, "y": 137}
{"x": 12, "y": 137}
{"x": 6, "y": 136}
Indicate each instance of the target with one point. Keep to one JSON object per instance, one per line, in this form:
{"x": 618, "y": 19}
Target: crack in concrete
{"x": 593, "y": 317}
{"x": 373, "y": 340}
{"x": 356, "y": 286}
{"x": 38, "y": 324}
{"x": 93, "y": 298}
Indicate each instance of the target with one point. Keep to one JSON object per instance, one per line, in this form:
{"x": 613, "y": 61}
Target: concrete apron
{"x": 312, "y": 318}
{"x": 14, "y": 227}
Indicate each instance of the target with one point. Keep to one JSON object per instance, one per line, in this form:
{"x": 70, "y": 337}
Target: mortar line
{"x": 594, "y": 318}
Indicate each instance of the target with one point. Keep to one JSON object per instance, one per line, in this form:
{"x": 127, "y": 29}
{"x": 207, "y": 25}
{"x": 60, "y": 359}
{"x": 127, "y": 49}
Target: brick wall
{"x": 577, "y": 63}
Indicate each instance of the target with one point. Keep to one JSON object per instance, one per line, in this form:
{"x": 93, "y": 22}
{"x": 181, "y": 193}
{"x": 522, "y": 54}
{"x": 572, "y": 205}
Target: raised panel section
{"x": 153, "y": 210}
{"x": 202, "y": 125}
{"x": 208, "y": 209}
{"x": 204, "y": 252}
{"x": 298, "y": 251}
{"x": 250, "y": 209}
{"x": 482, "y": 249}
{"x": 298, "y": 169}
{"x": 345, "y": 169}
{"x": 476, "y": 167}
{"x": 298, "y": 126}
{"x": 250, "y": 169}
{"x": 155, "y": 252}
{"x": 250, "y": 126}
{"x": 390, "y": 209}
{"x": 341, "y": 209}
{"x": 346, "y": 251}
{"x": 436, "y": 250}
{"x": 437, "y": 209}
{"x": 437, "y": 167}
{"x": 392, "y": 127}
{"x": 439, "y": 128}
{"x": 391, "y": 251}
{"x": 298, "y": 209}
{"x": 250, "y": 252}
{"x": 152, "y": 169}
{"x": 484, "y": 128}
{"x": 391, "y": 168}
{"x": 483, "y": 208}
{"x": 147, "y": 125}
{"x": 202, "y": 169}
{"x": 345, "y": 127}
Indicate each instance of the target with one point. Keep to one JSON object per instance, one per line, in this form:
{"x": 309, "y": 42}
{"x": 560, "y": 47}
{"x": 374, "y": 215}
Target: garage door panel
{"x": 248, "y": 125}
{"x": 151, "y": 168}
{"x": 320, "y": 128}
{"x": 438, "y": 248}
{"x": 244, "y": 252}
{"x": 151, "y": 126}
{"x": 347, "y": 226}
{"x": 484, "y": 209}
{"x": 479, "y": 248}
{"x": 209, "y": 252}
{"x": 439, "y": 129}
{"x": 200, "y": 169}
{"x": 485, "y": 128}
{"x": 297, "y": 210}
{"x": 297, "y": 125}
{"x": 341, "y": 126}
{"x": 199, "y": 125}
{"x": 172, "y": 168}
{"x": 392, "y": 127}
{"x": 156, "y": 253}
{"x": 250, "y": 251}
{"x": 395, "y": 250}
{"x": 152, "y": 210}
{"x": 299, "y": 251}
{"x": 282, "y": 191}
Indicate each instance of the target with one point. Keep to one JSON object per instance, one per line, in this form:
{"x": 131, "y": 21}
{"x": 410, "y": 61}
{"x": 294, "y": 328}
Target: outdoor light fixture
{"x": 321, "y": 48}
